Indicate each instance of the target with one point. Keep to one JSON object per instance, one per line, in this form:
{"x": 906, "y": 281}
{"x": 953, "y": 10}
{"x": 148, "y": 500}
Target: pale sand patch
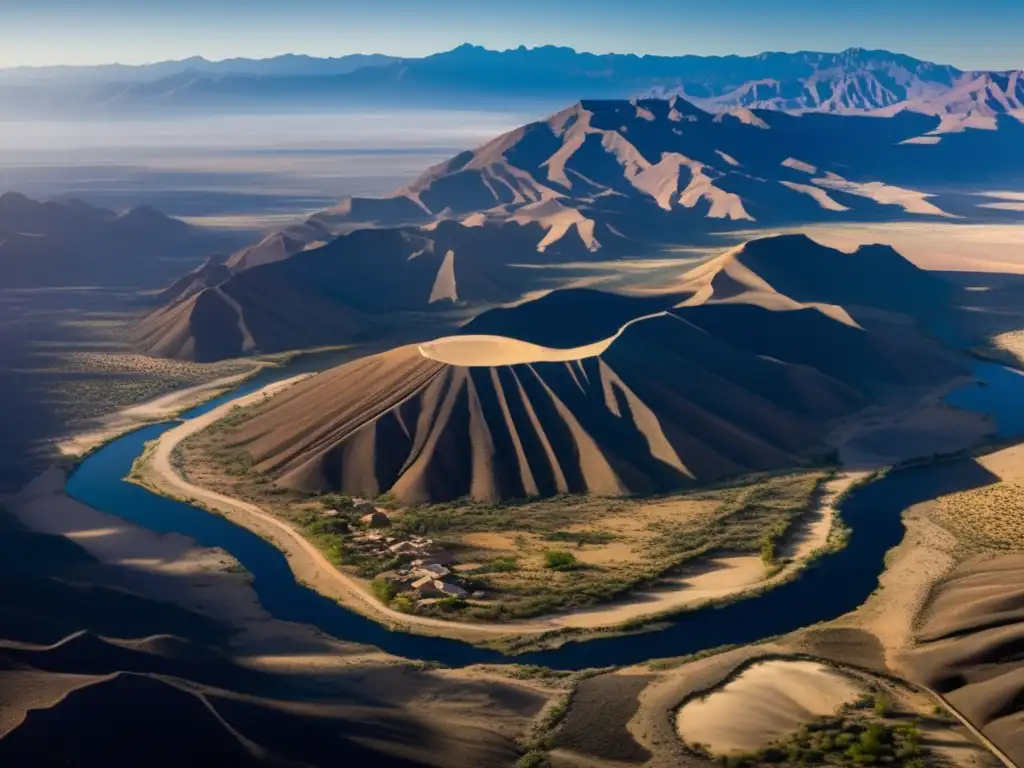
{"x": 819, "y": 195}
{"x": 1007, "y": 463}
{"x": 1012, "y": 196}
{"x": 1003, "y": 206}
{"x": 444, "y": 283}
{"x": 558, "y": 219}
{"x": 161, "y": 408}
{"x": 471, "y": 351}
{"x": 728, "y": 158}
{"x": 763, "y": 703}
{"x": 909, "y": 200}
{"x": 613, "y": 552}
{"x": 745, "y": 116}
{"x": 799, "y": 165}
{"x": 723, "y": 205}
{"x": 816, "y": 527}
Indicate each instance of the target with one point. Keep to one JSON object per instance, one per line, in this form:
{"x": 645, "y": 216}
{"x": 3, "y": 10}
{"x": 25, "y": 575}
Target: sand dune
{"x": 969, "y": 647}
{"x": 764, "y": 702}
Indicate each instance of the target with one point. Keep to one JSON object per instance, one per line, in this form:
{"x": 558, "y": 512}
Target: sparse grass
{"x": 986, "y": 519}
{"x": 602, "y": 548}
{"x": 559, "y": 561}
{"x": 87, "y": 385}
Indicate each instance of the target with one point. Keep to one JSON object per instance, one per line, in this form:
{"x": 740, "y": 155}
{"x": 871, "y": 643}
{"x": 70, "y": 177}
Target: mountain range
{"x": 597, "y": 181}
{"x": 72, "y": 243}
{"x": 738, "y": 377}
{"x": 854, "y": 80}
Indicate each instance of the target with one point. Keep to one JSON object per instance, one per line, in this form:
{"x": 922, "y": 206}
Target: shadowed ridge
{"x": 153, "y": 730}
{"x": 969, "y": 647}
{"x": 587, "y": 392}
{"x": 71, "y": 243}
{"x": 567, "y": 318}
{"x": 599, "y": 180}
{"x": 796, "y": 267}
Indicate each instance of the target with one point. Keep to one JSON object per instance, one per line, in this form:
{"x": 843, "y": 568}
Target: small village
{"x": 426, "y": 573}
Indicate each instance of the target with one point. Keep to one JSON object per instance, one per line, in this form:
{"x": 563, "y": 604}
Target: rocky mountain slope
{"x": 596, "y": 181}
{"x": 722, "y": 384}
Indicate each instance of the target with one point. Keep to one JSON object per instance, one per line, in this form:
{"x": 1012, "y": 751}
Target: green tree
{"x": 383, "y": 590}
{"x": 559, "y": 560}
{"x": 882, "y": 704}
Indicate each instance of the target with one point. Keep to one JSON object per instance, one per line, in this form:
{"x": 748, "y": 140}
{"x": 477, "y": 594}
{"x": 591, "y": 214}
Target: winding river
{"x": 828, "y": 588}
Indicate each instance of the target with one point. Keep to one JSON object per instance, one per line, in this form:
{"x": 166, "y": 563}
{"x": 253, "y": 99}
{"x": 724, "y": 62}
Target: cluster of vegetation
{"x": 557, "y": 560}
{"x": 852, "y": 738}
{"x": 86, "y": 385}
{"x": 503, "y": 564}
{"x": 579, "y": 538}
{"x": 770, "y": 544}
{"x": 331, "y": 535}
{"x": 543, "y": 558}
{"x": 542, "y": 738}
{"x": 751, "y": 517}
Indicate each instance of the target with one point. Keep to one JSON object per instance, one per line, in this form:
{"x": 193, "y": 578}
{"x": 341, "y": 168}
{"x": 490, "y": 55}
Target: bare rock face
{"x": 596, "y": 181}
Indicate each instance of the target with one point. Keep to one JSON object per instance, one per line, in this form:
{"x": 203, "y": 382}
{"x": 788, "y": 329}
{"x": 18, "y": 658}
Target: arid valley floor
{"x": 576, "y": 451}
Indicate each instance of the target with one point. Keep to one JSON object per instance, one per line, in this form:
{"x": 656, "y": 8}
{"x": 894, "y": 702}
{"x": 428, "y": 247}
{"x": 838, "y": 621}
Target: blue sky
{"x": 967, "y": 33}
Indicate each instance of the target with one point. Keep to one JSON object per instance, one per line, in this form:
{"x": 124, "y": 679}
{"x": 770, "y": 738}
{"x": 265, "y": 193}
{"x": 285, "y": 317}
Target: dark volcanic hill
{"x": 599, "y": 180}
{"x": 47, "y": 244}
{"x": 725, "y": 383}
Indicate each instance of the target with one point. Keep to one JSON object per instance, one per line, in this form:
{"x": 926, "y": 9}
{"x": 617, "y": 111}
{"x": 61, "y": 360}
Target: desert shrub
{"x": 844, "y": 740}
{"x": 532, "y": 759}
{"x": 383, "y": 590}
{"x": 403, "y": 603}
{"x": 449, "y": 604}
{"x": 335, "y": 501}
{"x": 559, "y": 560}
{"x": 883, "y": 703}
{"x": 500, "y": 565}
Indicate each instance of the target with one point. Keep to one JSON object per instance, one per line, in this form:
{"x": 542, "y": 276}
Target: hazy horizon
{"x": 236, "y": 171}
{"x": 58, "y": 32}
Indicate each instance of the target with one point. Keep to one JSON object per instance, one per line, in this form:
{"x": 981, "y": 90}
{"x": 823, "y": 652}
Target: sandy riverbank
{"x": 718, "y": 579}
{"x": 875, "y": 640}
{"x": 253, "y": 674}
{"x": 159, "y": 409}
